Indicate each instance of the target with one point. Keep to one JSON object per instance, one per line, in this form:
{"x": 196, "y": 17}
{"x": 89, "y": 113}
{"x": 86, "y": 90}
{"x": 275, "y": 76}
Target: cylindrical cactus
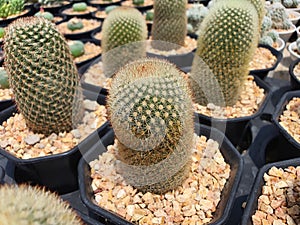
{"x": 169, "y": 27}
{"x": 10, "y": 7}
{"x": 43, "y": 75}
{"x": 150, "y": 109}
{"x": 124, "y": 33}
{"x": 32, "y": 205}
{"x": 226, "y": 44}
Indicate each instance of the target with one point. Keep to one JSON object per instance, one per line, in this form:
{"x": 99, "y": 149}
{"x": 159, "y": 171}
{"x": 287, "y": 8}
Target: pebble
{"x": 263, "y": 59}
{"x": 32, "y": 139}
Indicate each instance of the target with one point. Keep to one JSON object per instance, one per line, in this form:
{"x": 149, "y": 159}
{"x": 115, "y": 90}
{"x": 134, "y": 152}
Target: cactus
{"x": 32, "y": 205}
{"x": 169, "y": 24}
{"x": 4, "y": 84}
{"x": 2, "y": 32}
{"x": 266, "y": 40}
{"x": 195, "y": 16}
{"x": 266, "y": 25}
{"x": 109, "y": 8}
{"x": 46, "y": 15}
{"x": 77, "y": 48}
{"x": 260, "y": 8}
{"x": 290, "y": 3}
{"x": 279, "y": 16}
{"x": 74, "y": 24}
{"x": 79, "y": 7}
{"x": 43, "y": 76}
{"x": 225, "y": 48}
{"x": 138, "y": 2}
{"x": 124, "y": 33}
{"x": 150, "y": 109}
{"x": 149, "y": 15}
{"x": 10, "y": 7}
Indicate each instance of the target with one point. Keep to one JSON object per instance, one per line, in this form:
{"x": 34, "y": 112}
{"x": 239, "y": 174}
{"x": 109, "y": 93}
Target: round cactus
{"x": 150, "y": 109}
{"x": 74, "y": 24}
{"x": 273, "y": 34}
{"x": 290, "y": 3}
{"x": 43, "y": 76}
{"x": 4, "y": 84}
{"x": 46, "y": 15}
{"x": 169, "y": 24}
{"x": 225, "y": 48}
{"x": 77, "y": 48}
{"x": 108, "y": 9}
{"x": 28, "y": 205}
{"x": 266, "y": 40}
{"x": 79, "y": 7}
{"x": 266, "y": 25}
{"x": 138, "y": 2}
{"x": 195, "y": 16}
{"x": 124, "y": 33}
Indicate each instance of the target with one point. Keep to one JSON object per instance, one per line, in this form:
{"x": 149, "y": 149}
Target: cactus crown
{"x": 150, "y": 109}
{"x": 124, "y": 33}
{"x": 279, "y": 16}
{"x": 226, "y": 45}
{"x": 32, "y": 205}
{"x": 169, "y": 24}
{"x": 10, "y": 7}
{"x": 42, "y": 75}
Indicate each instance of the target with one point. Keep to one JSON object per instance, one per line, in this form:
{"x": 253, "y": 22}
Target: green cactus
{"x": 77, "y": 48}
{"x": 10, "y": 7}
{"x": 46, "y": 15}
{"x": 109, "y": 8}
{"x": 124, "y": 33}
{"x": 74, "y": 24}
{"x": 266, "y": 40}
{"x": 4, "y": 83}
{"x": 260, "y": 8}
{"x": 138, "y": 2}
{"x": 149, "y": 15}
{"x": 150, "y": 109}
{"x": 2, "y": 32}
{"x": 169, "y": 24}
{"x": 225, "y": 48}
{"x": 278, "y": 14}
{"x": 43, "y": 75}
{"x": 79, "y": 7}
{"x": 29, "y": 205}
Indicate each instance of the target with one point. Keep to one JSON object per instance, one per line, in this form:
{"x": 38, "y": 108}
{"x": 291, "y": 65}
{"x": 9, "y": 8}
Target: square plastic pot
{"x": 224, "y": 207}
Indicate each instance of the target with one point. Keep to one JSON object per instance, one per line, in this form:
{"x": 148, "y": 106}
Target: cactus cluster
{"x": 150, "y": 109}
{"x": 10, "y": 7}
{"x": 268, "y": 36}
{"x": 28, "y": 205}
{"x": 195, "y": 16}
{"x": 124, "y": 33}
{"x": 169, "y": 27}
{"x": 278, "y": 14}
{"x": 290, "y": 3}
{"x": 226, "y": 44}
{"x": 43, "y": 75}
{"x": 46, "y": 15}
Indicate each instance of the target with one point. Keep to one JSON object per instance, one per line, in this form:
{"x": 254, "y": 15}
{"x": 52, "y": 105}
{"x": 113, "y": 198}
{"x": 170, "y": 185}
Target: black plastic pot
{"x": 57, "y": 172}
{"x": 262, "y": 73}
{"x": 224, "y": 207}
{"x": 288, "y": 140}
{"x": 91, "y": 87}
{"x": 82, "y": 63}
{"x": 87, "y": 15}
{"x": 204, "y": 2}
{"x": 252, "y": 201}
{"x": 295, "y": 82}
{"x": 5, "y": 104}
{"x": 105, "y": 4}
{"x": 235, "y": 128}
{"x": 52, "y": 9}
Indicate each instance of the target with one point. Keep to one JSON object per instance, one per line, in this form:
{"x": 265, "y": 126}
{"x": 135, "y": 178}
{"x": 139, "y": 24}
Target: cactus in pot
{"x": 278, "y": 14}
{"x": 290, "y": 3}
{"x": 43, "y": 76}
{"x": 33, "y": 205}
{"x": 169, "y": 27}
{"x": 124, "y": 33}
{"x": 150, "y": 109}
{"x": 10, "y": 7}
{"x": 225, "y": 48}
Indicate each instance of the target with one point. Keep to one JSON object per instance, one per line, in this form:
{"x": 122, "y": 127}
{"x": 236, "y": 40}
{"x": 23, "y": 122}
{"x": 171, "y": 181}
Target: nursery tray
{"x": 57, "y": 172}
{"x": 257, "y": 188}
{"x": 224, "y": 207}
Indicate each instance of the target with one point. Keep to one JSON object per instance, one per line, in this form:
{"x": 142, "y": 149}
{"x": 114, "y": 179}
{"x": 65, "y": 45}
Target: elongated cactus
{"x": 124, "y": 33}
{"x": 169, "y": 24}
{"x": 10, "y": 7}
{"x": 42, "y": 75}
{"x": 32, "y": 205}
{"x": 150, "y": 109}
{"x": 226, "y": 44}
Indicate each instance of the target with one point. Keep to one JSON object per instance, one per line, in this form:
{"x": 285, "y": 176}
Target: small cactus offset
{"x": 150, "y": 109}
{"x": 169, "y": 27}
{"x": 225, "y": 48}
{"x": 10, "y": 7}
{"x": 43, "y": 76}
{"x": 28, "y": 205}
{"x": 124, "y": 33}
{"x": 278, "y": 14}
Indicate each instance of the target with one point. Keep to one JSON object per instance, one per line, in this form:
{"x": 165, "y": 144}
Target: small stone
{"x": 121, "y": 194}
{"x": 32, "y": 139}
{"x": 76, "y": 133}
{"x": 90, "y": 105}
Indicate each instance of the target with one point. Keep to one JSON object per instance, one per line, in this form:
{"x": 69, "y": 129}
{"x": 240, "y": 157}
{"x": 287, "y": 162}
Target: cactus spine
{"x": 169, "y": 27}
{"x": 151, "y": 111}
{"x": 10, "y": 7}
{"x": 226, "y": 44}
{"x": 124, "y": 33}
{"x": 42, "y": 75}
{"x": 32, "y": 205}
